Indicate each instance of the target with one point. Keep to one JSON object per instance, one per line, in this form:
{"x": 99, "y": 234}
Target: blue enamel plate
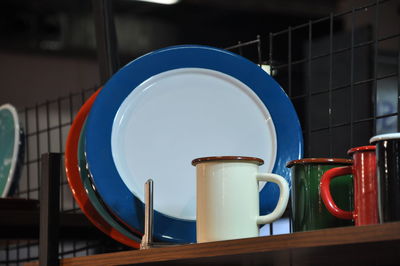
{"x": 168, "y": 107}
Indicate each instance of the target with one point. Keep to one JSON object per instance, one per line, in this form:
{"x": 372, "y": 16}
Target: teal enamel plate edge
{"x": 84, "y": 173}
{"x": 10, "y": 145}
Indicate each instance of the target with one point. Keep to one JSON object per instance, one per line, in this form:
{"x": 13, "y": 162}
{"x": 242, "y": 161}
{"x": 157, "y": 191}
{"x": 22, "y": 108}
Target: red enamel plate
{"x": 75, "y": 182}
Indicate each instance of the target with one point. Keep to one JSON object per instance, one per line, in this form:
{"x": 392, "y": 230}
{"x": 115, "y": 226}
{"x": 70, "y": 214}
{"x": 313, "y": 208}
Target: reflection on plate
{"x": 10, "y": 147}
{"x": 168, "y": 107}
{"x": 75, "y": 182}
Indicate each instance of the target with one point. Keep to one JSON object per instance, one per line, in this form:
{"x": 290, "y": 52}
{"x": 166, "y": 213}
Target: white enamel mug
{"x": 228, "y": 197}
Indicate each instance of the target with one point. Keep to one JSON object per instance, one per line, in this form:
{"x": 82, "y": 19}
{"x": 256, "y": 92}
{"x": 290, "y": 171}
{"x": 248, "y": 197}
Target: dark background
{"x": 48, "y": 48}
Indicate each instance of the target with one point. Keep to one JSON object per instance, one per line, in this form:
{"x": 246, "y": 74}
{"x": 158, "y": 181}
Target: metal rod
{"x": 37, "y": 144}
{"x": 290, "y": 61}
{"x": 330, "y": 84}
{"x": 270, "y": 52}
{"x": 106, "y": 39}
{"x": 353, "y": 17}
{"x": 241, "y": 44}
{"x": 398, "y": 88}
{"x": 147, "y": 238}
{"x": 149, "y": 210}
{"x": 259, "y": 50}
{"x": 7, "y": 250}
{"x": 309, "y": 79}
{"x": 48, "y": 126}
{"x": 28, "y": 184}
{"x": 71, "y": 119}
{"x": 60, "y": 141}
{"x": 375, "y": 73}
{"x": 240, "y": 48}
{"x": 27, "y": 170}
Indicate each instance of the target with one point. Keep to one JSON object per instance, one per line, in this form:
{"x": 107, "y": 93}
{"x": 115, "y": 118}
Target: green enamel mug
{"x": 307, "y": 208}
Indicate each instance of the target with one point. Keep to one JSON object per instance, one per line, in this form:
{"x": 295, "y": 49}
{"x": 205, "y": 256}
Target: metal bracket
{"x": 147, "y": 239}
{"x": 49, "y": 208}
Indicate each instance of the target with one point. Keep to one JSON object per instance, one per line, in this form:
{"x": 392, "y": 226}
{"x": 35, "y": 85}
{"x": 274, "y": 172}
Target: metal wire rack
{"x": 342, "y": 73}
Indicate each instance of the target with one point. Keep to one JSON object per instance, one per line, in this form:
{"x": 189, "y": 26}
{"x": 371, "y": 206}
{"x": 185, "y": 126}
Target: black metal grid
{"x": 340, "y": 67}
{"x": 334, "y": 70}
{"x": 45, "y": 129}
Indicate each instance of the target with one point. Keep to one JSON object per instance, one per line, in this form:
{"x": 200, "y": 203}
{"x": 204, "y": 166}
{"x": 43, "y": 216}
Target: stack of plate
{"x": 157, "y": 114}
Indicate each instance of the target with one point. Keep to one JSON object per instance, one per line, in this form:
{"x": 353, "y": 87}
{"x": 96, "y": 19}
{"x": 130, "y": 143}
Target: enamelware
{"x": 94, "y": 198}
{"x": 308, "y": 212}
{"x": 167, "y": 107}
{"x": 228, "y": 197}
{"x": 363, "y": 171}
{"x": 75, "y": 182}
{"x": 11, "y": 139}
{"x": 388, "y": 174}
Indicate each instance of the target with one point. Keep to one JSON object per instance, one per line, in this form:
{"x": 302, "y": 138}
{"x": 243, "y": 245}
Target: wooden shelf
{"x": 364, "y": 245}
{"x": 19, "y": 219}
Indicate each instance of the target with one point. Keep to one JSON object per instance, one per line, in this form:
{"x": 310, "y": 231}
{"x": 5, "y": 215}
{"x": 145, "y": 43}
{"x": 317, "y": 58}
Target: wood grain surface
{"x": 363, "y": 245}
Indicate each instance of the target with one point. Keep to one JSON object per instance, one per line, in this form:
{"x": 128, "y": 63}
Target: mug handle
{"x": 326, "y": 192}
{"x": 282, "y": 201}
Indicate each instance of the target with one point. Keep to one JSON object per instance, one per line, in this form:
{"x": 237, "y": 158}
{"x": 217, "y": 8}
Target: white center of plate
{"x": 177, "y": 116}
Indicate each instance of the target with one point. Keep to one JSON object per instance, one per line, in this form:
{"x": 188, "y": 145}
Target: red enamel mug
{"x": 363, "y": 171}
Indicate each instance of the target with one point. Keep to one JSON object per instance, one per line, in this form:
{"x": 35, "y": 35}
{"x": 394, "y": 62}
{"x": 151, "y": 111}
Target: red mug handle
{"x": 326, "y": 192}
